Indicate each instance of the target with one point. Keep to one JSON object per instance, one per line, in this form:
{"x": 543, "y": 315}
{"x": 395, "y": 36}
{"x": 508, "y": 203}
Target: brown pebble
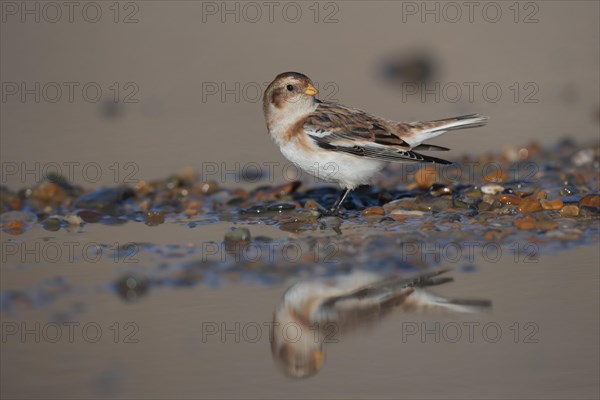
{"x": 313, "y": 205}
{"x": 209, "y": 187}
{"x": 14, "y": 227}
{"x": 530, "y": 204}
{"x": 495, "y": 176}
{"x": 591, "y": 200}
{"x": 154, "y": 218}
{"x": 373, "y": 211}
{"x": 509, "y": 199}
{"x": 546, "y": 225}
{"x": 494, "y": 235}
{"x": 527, "y": 222}
{"x": 552, "y": 204}
{"x": 570, "y": 211}
{"x": 541, "y": 195}
{"x": 49, "y": 194}
{"x": 426, "y": 176}
{"x": 90, "y": 216}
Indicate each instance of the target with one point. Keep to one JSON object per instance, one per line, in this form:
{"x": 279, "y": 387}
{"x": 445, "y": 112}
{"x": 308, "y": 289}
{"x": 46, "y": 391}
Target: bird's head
{"x": 289, "y": 97}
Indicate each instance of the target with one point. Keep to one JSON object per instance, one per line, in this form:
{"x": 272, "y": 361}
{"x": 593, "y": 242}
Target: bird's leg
{"x": 338, "y": 203}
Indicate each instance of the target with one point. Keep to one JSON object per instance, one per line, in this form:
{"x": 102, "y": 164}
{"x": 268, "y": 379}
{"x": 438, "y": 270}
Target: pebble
{"x": 569, "y": 211}
{"x": 591, "y": 200}
{"x": 492, "y": 188}
{"x": 407, "y": 213}
{"x": 154, "y": 218}
{"x": 546, "y": 225}
{"x": 373, "y": 211}
{"x": 90, "y": 216}
{"x": 237, "y": 235}
{"x": 257, "y": 209}
{"x": 530, "y": 204}
{"x": 105, "y": 200}
{"x": 552, "y": 204}
{"x": 495, "y": 235}
{"x": 74, "y": 220}
{"x": 568, "y": 191}
{"x": 408, "y": 204}
{"x": 52, "y": 224}
{"x": 49, "y": 194}
{"x": 426, "y": 176}
{"x": 527, "y": 222}
{"x": 439, "y": 189}
{"x": 131, "y": 287}
{"x": 310, "y": 204}
{"x": 22, "y": 216}
{"x": 209, "y": 187}
{"x": 495, "y": 176}
{"x": 330, "y": 222}
{"x": 281, "y": 207}
{"x": 509, "y": 199}
{"x": 469, "y": 198}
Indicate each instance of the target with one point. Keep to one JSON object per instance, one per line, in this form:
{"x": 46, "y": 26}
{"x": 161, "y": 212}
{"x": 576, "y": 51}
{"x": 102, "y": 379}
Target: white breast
{"x": 344, "y": 169}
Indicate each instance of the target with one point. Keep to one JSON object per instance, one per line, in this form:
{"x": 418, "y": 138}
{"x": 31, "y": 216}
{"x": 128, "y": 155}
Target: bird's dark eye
{"x": 289, "y": 88}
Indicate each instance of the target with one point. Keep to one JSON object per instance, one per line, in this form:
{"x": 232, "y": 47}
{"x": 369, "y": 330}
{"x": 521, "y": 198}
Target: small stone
{"x": 495, "y": 235}
{"x": 17, "y": 222}
{"x": 407, "y": 213}
{"x": 569, "y": 211}
{"x": 49, "y": 194}
{"x": 591, "y": 200}
{"x": 483, "y": 206}
{"x": 281, "y": 207}
{"x": 15, "y": 227}
{"x": 468, "y": 198}
{"x": 530, "y": 204}
{"x": 258, "y": 209}
{"x": 330, "y": 222}
{"x": 131, "y": 287}
{"x": 527, "y": 222}
{"x": 313, "y": 205}
{"x": 495, "y": 176}
{"x": 106, "y": 200}
{"x": 74, "y": 220}
{"x": 154, "y": 218}
{"x": 492, "y": 188}
{"x": 52, "y": 224}
{"x": 546, "y": 225}
{"x": 508, "y": 210}
{"x": 90, "y": 216}
{"x": 439, "y": 189}
{"x": 209, "y": 187}
{"x": 426, "y": 176}
{"x": 237, "y": 237}
{"x": 276, "y": 192}
{"x": 552, "y": 204}
{"x": 509, "y": 199}
{"x": 568, "y": 191}
{"x": 541, "y": 195}
{"x": 567, "y": 234}
{"x": 373, "y": 211}
{"x": 435, "y": 203}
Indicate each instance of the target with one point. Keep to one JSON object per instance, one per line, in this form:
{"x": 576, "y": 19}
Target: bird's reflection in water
{"x": 312, "y": 314}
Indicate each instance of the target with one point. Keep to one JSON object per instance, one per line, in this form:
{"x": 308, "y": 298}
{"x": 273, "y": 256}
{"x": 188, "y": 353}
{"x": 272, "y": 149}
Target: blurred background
{"x": 186, "y": 76}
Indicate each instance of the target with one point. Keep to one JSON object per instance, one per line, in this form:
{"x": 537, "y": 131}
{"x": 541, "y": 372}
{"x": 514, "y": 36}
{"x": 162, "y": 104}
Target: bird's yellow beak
{"x": 310, "y": 90}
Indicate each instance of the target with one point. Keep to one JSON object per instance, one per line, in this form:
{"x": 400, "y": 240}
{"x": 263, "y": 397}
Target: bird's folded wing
{"x": 338, "y": 128}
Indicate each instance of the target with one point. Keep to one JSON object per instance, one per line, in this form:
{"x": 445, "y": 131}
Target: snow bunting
{"x": 344, "y": 145}
{"x": 312, "y": 314}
